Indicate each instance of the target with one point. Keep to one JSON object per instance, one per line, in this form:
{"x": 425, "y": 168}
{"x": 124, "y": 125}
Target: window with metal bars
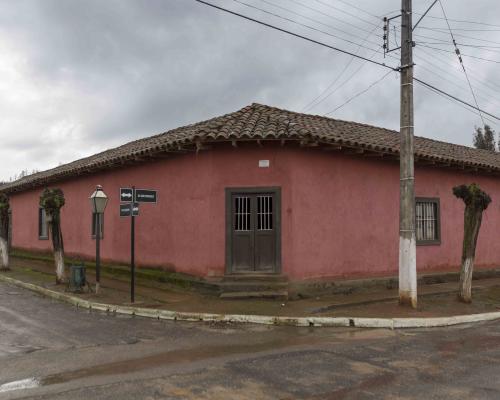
{"x": 265, "y": 213}
{"x": 242, "y": 213}
{"x": 427, "y": 221}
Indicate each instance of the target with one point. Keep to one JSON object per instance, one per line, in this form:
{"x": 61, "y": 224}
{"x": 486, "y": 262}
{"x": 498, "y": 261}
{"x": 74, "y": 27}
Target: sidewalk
{"x": 437, "y": 300}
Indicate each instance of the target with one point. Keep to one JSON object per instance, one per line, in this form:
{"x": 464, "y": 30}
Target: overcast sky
{"x": 78, "y": 77}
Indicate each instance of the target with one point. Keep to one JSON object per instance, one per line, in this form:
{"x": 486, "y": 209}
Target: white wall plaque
{"x": 263, "y": 163}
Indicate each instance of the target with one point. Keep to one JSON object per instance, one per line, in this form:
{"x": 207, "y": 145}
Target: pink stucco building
{"x": 268, "y": 191}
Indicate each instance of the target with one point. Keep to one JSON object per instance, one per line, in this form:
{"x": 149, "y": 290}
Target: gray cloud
{"x": 84, "y": 76}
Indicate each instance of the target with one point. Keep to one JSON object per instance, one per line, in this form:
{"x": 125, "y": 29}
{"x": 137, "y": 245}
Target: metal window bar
{"x": 426, "y": 219}
{"x": 264, "y": 213}
{"x": 241, "y": 213}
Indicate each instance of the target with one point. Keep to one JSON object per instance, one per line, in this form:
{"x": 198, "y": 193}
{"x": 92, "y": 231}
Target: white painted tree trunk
{"x": 466, "y": 279}
{"x": 59, "y": 260}
{"x": 4, "y": 254}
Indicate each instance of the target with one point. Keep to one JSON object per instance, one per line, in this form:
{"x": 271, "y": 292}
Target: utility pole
{"x": 407, "y": 239}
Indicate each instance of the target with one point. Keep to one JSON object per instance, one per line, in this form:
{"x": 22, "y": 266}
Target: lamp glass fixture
{"x": 98, "y": 201}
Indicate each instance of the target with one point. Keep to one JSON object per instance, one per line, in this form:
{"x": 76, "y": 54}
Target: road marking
{"x": 28, "y": 383}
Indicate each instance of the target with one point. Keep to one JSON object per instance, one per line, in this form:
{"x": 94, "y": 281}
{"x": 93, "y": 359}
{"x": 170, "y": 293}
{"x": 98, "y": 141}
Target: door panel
{"x": 253, "y": 232}
{"x": 243, "y": 237}
{"x": 265, "y": 236}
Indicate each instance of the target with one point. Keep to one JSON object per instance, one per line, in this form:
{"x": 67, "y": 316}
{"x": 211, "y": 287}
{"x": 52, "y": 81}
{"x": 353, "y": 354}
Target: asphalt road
{"x": 50, "y": 350}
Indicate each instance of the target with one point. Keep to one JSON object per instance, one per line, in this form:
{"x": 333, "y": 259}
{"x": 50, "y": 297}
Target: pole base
{"x": 406, "y": 300}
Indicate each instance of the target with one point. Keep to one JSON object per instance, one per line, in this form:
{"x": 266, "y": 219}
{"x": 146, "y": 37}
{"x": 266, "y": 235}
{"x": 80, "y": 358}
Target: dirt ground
{"x": 434, "y": 300}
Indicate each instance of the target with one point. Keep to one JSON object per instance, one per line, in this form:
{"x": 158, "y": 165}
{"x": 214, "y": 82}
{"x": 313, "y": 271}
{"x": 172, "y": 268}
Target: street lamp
{"x": 98, "y": 202}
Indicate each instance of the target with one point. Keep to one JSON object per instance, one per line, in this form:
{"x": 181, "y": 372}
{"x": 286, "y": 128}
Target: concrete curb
{"x": 388, "y": 323}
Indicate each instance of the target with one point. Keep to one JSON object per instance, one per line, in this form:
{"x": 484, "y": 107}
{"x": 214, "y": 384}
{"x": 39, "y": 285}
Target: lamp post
{"x": 98, "y": 201}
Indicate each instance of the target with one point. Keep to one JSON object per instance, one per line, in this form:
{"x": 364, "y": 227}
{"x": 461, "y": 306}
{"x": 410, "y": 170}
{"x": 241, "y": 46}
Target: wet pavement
{"x": 50, "y": 350}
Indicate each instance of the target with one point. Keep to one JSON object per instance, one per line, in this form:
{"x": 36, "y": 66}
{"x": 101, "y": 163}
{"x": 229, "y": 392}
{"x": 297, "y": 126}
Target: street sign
{"x": 132, "y": 197}
{"x": 145, "y": 196}
{"x": 125, "y": 210}
{"x": 126, "y": 195}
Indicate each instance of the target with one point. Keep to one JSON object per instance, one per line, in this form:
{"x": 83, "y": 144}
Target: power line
{"x": 441, "y": 78}
{"x": 359, "y": 9}
{"x": 461, "y": 61}
{"x": 460, "y": 29}
{"x": 461, "y": 21}
{"x": 358, "y": 94}
{"x": 299, "y": 23}
{"x": 295, "y": 34}
{"x": 341, "y": 51}
{"x": 428, "y": 85}
{"x": 473, "y": 46}
{"x": 345, "y": 12}
{"x": 315, "y": 20}
{"x": 459, "y": 104}
{"x": 464, "y": 55}
{"x": 338, "y": 87}
{"x": 440, "y": 31}
{"x": 488, "y": 85}
{"x": 328, "y": 15}
{"x": 311, "y": 103}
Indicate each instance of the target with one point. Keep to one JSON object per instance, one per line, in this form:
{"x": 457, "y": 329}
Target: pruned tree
{"x": 52, "y": 200}
{"x": 4, "y": 232}
{"x": 476, "y": 201}
{"x": 484, "y": 139}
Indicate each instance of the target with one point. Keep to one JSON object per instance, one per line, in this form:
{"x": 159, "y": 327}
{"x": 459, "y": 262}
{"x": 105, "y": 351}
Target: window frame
{"x": 93, "y": 226}
{"x": 41, "y": 236}
{"x": 436, "y": 201}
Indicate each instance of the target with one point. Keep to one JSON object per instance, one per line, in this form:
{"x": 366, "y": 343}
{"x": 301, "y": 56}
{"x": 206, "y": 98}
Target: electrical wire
{"x": 460, "y": 29}
{"x": 345, "y": 12}
{"x": 339, "y": 50}
{"x": 464, "y": 55}
{"x": 319, "y": 22}
{"x": 428, "y": 85}
{"x": 460, "y": 104}
{"x": 493, "y": 87}
{"x": 328, "y": 15}
{"x": 338, "y": 87}
{"x": 457, "y": 50}
{"x": 359, "y": 9}
{"x": 461, "y": 21}
{"x": 311, "y": 103}
{"x": 299, "y": 23}
{"x": 359, "y": 93}
{"x": 446, "y": 76}
{"x": 294, "y": 34}
{"x": 440, "y": 31}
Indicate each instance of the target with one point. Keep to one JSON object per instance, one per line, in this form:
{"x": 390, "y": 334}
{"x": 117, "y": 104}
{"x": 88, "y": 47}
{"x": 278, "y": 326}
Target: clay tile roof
{"x": 261, "y": 122}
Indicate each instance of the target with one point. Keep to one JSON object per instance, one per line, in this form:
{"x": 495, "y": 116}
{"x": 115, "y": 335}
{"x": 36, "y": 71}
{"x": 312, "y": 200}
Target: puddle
{"x": 29, "y": 383}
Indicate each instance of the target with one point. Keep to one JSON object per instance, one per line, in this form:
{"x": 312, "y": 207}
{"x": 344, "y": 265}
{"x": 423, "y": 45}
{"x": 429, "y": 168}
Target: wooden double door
{"x": 253, "y": 230}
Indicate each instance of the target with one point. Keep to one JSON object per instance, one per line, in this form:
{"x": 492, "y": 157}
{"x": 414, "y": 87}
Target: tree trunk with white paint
{"x": 472, "y": 224}
{"x": 57, "y": 243}
{"x": 476, "y": 201}
{"x": 52, "y": 200}
{"x": 4, "y": 232}
{"x": 4, "y": 254}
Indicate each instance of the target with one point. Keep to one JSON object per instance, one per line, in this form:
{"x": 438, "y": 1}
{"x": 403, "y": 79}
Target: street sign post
{"x": 132, "y": 197}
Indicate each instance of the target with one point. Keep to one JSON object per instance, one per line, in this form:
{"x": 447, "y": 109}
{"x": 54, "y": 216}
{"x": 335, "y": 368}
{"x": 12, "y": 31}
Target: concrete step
{"x": 266, "y": 294}
{"x": 253, "y": 283}
{"x": 254, "y": 278}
